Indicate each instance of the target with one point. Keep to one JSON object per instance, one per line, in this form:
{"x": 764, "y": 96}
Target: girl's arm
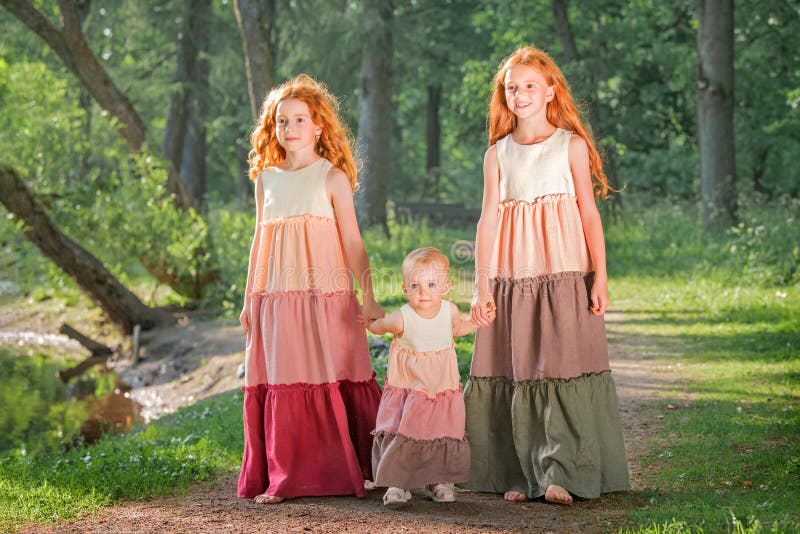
{"x": 341, "y": 196}
{"x": 244, "y": 317}
{"x": 590, "y": 219}
{"x": 391, "y": 324}
{"x": 461, "y": 325}
{"x": 484, "y": 239}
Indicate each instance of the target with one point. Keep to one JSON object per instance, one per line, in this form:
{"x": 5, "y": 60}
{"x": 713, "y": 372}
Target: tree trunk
{"x": 567, "y": 39}
{"x": 715, "y": 112}
{"x": 193, "y": 163}
{"x": 122, "y": 307}
{"x": 177, "y": 118}
{"x": 433, "y": 142}
{"x": 375, "y": 112}
{"x": 759, "y": 169}
{"x": 70, "y": 45}
{"x": 256, "y": 22}
{"x": 193, "y": 159}
{"x": 564, "y": 30}
{"x": 185, "y": 135}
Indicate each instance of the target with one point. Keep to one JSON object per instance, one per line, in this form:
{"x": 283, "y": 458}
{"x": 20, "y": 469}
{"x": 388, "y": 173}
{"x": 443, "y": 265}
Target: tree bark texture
{"x": 564, "y": 30}
{"x": 714, "y": 93}
{"x": 70, "y": 45}
{"x": 256, "y": 22}
{"x": 121, "y": 306}
{"x": 185, "y": 135}
{"x": 433, "y": 143}
{"x": 375, "y": 112}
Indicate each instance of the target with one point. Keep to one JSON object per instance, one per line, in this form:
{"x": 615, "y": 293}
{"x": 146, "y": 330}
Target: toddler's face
{"x": 293, "y": 125}
{"x": 425, "y": 286}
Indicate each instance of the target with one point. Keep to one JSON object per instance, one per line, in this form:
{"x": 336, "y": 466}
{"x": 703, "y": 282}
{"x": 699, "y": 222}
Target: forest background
{"x": 124, "y": 132}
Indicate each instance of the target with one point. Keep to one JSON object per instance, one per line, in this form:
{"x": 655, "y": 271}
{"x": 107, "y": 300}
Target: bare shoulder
{"x": 337, "y": 183}
{"x": 395, "y": 321}
{"x": 336, "y": 177}
{"x": 491, "y": 154}
{"x": 578, "y": 146}
{"x": 455, "y": 313}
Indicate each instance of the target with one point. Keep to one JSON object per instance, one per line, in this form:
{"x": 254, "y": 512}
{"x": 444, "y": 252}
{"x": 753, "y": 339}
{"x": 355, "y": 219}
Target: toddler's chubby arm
{"x": 391, "y": 324}
{"x": 461, "y": 325}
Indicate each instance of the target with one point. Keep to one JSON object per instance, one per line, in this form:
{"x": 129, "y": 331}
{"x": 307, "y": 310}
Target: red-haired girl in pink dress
{"x": 310, "y": 394}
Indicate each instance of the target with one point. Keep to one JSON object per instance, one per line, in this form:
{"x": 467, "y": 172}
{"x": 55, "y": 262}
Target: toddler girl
{"x": 419, "y": 434}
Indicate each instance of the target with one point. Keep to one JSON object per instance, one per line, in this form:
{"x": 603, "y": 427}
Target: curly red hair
{"x": 334, "y": 143}
{"x": 561, "y": 111}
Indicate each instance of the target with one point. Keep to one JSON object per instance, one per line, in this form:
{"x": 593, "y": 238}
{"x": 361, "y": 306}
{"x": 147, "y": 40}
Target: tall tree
{"x": 433, "y": 141}
{"x": 256, "y": 19}
{"x": 70, "y": 45}
{"x": 714, "y": 92}
{"x": 375, "y": 111}
{"x": 118, "y": 302}
{"x": 185, "y": 136}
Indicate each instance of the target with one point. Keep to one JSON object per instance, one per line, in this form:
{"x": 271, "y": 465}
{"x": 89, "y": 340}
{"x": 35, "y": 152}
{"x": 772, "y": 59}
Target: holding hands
{"x": 370, "y": 312}
{"x": 483, "y": 310}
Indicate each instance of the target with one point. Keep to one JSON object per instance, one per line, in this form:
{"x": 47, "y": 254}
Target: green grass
{"x": 727, "y": 323}
{"x": 729, "y": 444}
{"x": 197, "y": 443}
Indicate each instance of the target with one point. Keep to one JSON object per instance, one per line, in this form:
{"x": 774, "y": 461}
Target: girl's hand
{"x": 599, "y": 296}
{"x": 483, "y": 310}
{"x": 244, "y": 318}
{"x": 371, "y": 311}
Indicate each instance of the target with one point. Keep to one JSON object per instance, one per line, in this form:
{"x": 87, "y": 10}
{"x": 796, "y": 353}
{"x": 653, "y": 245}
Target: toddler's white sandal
{"x": 396, "y": 498}
{"x": 441, "y": 492}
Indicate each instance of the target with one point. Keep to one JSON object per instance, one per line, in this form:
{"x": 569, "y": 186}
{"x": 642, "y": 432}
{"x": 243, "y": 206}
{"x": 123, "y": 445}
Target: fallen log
{"x": 97, "y": 349}
{"x": 100, "y": 353}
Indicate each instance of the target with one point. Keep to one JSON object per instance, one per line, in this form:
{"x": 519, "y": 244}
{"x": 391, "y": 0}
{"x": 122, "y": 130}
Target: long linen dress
{"x": 419, "y": 434}
{"x": 310, "y": 396}
{"x": 541, "y": 403}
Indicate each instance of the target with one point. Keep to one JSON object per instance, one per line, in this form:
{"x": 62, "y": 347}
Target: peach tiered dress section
{"x": 541, "y": 405}
{"x": 419, "y": 434}
{"x": 310, "y": 394}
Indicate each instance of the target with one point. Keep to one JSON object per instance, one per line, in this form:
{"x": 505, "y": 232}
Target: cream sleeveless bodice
{"x": 294, "y": 193}
{"x": 424, "y": 335}
{"x": 528, "y": 172}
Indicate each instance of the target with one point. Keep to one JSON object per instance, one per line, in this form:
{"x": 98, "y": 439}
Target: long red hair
{"x": 334, "y": 143}
{"x": 561, "y": 111}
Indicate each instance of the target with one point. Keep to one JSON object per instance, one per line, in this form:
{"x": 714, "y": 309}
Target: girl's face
{"x": 425, "y": 286}
{"x": 527, "y": 92}
{"x": 293, "y": 126}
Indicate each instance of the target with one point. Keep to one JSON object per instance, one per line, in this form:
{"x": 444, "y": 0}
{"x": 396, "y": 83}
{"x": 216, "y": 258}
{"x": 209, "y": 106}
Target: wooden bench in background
{"x": 437, "y": 214}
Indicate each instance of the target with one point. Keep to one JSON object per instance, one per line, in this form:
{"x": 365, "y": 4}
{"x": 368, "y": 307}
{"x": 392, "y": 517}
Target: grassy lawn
{"x": 724, "y": 311}
{"x": 729, "y": 448}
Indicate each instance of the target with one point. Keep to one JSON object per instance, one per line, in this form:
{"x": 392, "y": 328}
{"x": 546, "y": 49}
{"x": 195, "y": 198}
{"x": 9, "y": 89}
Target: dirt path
{"x": 639, "y": 379}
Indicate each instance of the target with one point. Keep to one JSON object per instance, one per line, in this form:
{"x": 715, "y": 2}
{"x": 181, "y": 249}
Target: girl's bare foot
{"x": 265, "y": 498}
{"x": 557, "y": 494}
{"x": 515, "y": 496}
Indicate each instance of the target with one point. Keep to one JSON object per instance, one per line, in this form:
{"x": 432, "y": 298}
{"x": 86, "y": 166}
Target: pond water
{"x": 39, "y": 412}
